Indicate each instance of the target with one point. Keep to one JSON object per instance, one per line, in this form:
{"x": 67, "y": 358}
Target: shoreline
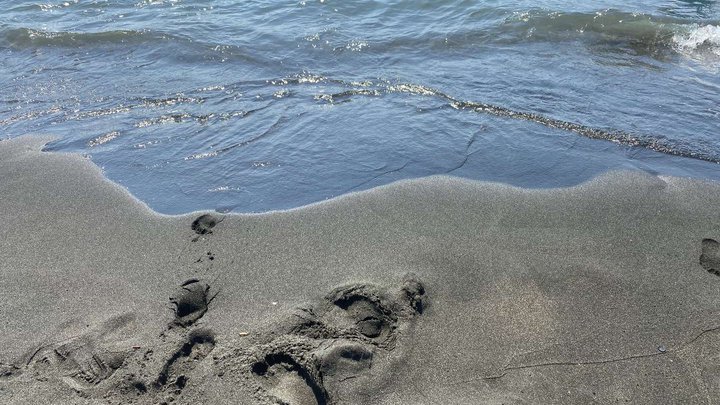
{"x": 422, "y": 291}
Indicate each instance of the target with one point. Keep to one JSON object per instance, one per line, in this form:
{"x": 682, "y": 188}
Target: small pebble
{"x": 662, "y": 349}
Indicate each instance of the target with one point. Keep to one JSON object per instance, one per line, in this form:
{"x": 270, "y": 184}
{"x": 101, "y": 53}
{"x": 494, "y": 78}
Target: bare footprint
{"x": 376, "y": 311}
{"x": 288, "y": 381}
{"x": 87, "y": 360}
{"x": 204, "y": 224}
{"x": 83, "y": 365}
{"x": 191, "y": 301}
{"x": 710, "y": 256}
{"x": 371, "y": 319}
{"x": 365, "y": 312}
{"x": 319, "y": 348}
{"x": 198, "y": 345}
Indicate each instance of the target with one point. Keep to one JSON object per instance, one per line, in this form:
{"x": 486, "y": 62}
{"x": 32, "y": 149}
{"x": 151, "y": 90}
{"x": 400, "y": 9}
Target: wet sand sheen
{"x": 428, "y": 291}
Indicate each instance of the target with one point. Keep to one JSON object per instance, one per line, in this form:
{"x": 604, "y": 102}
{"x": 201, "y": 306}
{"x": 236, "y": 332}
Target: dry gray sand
{"x": 432, "y": 291}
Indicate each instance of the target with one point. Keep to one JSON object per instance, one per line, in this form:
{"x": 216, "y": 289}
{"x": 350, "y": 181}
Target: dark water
{"x": 261, "y": 105}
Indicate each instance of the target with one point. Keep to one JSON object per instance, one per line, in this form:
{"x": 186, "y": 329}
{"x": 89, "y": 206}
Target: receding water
{"x": 260, "y": 105}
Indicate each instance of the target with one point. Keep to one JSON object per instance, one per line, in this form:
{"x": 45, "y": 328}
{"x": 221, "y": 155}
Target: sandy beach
{"x": 429, "y": 291}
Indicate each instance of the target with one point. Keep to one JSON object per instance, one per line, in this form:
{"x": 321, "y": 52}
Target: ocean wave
{"x": 648, "y": 34}
{"x": 31, "y": 38}
{"x": 188, "y": 49}
{"x": 643, "y": 32}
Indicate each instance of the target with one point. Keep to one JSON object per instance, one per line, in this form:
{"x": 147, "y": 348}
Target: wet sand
{"x": 429, "y": 291}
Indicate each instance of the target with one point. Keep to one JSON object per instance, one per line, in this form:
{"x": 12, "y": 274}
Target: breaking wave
{"x": 643, "y": 32}
{"x": 701, "y": 38}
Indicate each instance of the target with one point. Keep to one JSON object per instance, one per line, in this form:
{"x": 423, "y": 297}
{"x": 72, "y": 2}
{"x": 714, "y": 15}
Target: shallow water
{"x": 260, "y": 105}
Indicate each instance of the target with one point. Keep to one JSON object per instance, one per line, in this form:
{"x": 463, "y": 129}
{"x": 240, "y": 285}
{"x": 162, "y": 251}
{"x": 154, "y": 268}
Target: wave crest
{"x": 30, "y": 38}
{"x": 643, "y": 32}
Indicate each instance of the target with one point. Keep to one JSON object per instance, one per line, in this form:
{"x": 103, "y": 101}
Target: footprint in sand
{"x": 319, "y": 355}
{"x": 88, "y": 360}
{"x": 288, "y": 381}
{"x": 166, "y": 368}
{"x": 710, "y": 256}
{"x": 196, "y": 347}
{"x": 371, "y": 312}
{"x": 200, "y": 250}
{"x": 180, "y": 351}
{"x": 204, "y": 224}
{"x": 335, "y": 341}
{"x": 191, "y": 301}
{"x": 295, "y": 375}
{"x": 83, "y": 364}
{"x": 364, "y": 310}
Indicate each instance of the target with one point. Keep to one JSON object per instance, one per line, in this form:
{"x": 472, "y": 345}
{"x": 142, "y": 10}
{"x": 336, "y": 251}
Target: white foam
{"x": 699, "y": 38}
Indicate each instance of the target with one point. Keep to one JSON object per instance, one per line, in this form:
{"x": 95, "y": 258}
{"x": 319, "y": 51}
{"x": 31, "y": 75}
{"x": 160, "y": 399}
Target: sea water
{"x": 250, "y": 106}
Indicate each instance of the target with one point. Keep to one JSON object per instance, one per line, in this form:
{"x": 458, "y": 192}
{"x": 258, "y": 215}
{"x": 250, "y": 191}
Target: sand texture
{"x": 431, "y": 291}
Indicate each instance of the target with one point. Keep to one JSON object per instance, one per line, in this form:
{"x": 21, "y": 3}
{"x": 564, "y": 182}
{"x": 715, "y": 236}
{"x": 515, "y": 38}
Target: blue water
{"x": 261, "y": 105}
